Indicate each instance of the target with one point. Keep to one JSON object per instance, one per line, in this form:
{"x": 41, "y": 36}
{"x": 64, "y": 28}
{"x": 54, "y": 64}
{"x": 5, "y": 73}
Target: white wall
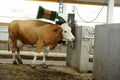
{"x": 18, "y": 9}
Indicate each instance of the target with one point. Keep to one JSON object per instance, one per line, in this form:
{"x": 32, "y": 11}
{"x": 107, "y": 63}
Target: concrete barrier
{"x": 107, "y": 52}
{"x": 78, "y": 55}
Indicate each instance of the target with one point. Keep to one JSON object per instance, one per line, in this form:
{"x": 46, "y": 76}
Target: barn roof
{"x": 92, "y": 2}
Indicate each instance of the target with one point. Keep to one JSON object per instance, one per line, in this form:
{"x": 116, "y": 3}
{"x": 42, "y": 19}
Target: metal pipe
{"x": 61, "y": 6}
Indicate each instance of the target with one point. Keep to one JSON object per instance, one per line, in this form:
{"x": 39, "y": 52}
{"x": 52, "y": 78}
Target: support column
{"x": 110, "y": 11}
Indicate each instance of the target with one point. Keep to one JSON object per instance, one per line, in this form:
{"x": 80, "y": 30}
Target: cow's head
{"x": 67, "y": 34}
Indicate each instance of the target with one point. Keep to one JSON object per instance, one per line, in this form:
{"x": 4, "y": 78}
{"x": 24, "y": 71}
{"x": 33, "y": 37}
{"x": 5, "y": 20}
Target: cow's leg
{"x": 14, "y": 58}
{"x": 19, "y": 47}
{"x": 13, "y": 52}
{"x": 18, "y": 56}
{"x": 34, "y": 59}
{"x": 47, "y": 49}
{"x": 38, "y": 50}
{"x": 44, "y": 59}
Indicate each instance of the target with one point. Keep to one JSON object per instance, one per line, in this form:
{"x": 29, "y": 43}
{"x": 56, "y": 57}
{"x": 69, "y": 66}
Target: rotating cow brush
{"x": 50, "y": 15}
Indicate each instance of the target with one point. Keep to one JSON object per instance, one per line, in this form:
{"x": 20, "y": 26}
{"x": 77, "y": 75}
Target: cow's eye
{"x": 65, "y": 31}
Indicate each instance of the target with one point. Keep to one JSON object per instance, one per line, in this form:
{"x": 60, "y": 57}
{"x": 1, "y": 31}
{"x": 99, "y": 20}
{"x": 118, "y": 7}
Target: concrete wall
{"x": 78, "y": 56}
{"x": 107, "y": 52}
{"x": 73, "y": 54}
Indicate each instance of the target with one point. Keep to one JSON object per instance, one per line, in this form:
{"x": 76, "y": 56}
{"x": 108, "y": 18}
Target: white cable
{"x": 75, "y": 9}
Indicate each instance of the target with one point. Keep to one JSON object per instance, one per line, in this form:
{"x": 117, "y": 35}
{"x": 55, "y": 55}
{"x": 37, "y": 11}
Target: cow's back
{"x": 30, "y": 31}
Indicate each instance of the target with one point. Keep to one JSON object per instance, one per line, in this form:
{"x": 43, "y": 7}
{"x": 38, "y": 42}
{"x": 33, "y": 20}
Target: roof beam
{"x": 89, "y": 2}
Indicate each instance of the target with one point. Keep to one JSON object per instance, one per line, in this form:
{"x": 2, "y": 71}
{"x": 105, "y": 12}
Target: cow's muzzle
{"x": 72, "y": 39}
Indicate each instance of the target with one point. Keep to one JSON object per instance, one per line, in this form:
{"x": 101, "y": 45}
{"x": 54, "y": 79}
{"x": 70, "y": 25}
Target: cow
{"x": 39, "y": 33}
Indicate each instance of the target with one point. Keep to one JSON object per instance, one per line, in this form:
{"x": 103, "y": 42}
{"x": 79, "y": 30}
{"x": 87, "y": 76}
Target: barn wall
{"x": 107, "y": 52}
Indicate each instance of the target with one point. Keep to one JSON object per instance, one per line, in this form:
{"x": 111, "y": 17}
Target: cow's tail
{"x": 9, "y": 41}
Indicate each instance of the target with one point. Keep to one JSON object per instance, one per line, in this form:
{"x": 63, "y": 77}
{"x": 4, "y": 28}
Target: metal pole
{"x": 61, "y": 6}
{"x": 110, "y": 10}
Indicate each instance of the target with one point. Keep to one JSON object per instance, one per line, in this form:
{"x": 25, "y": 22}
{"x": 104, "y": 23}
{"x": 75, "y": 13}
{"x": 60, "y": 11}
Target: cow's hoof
{"x": 14, "y": 62}
{"x": 20, "y": 62}
{"x": 33, "y": 66}
{"x": 44, "y": 66}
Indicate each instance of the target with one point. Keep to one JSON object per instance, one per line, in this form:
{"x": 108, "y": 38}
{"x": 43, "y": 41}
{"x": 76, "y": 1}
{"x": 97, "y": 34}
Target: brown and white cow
{"x": 43, "y": 34}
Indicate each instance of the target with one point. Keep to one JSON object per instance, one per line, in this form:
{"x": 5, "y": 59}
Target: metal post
{"x": 110, "y": 10}
{"x": 61, "y": 6}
